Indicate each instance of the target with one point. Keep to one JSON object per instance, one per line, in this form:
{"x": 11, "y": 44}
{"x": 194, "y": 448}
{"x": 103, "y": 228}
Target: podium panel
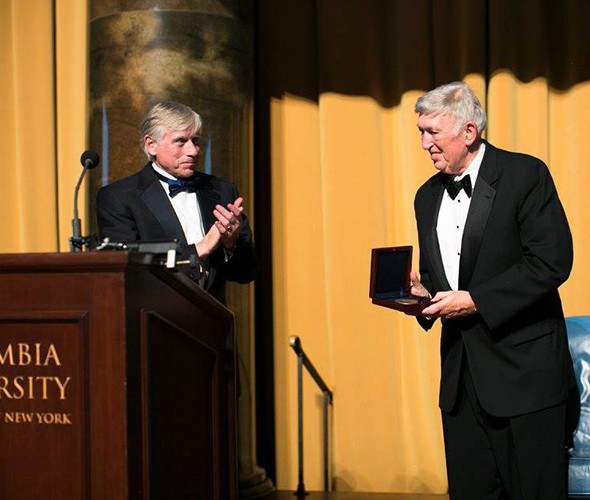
{"x": 117, "y": 380}
{"x": 43, "y": 408}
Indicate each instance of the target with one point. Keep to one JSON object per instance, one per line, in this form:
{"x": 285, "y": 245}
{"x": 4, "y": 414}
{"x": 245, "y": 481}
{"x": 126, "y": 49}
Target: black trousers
{"x": 497, "y": 458}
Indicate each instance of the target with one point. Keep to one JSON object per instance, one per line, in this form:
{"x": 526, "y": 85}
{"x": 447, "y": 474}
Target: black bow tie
{"x": 175, "y": 186}
{"x": 453, "y": 187}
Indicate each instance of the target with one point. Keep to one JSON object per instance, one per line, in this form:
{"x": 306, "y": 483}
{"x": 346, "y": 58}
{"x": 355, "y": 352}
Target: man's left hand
{"x": 228, "y": 222}
{"x": 451, "y": 304}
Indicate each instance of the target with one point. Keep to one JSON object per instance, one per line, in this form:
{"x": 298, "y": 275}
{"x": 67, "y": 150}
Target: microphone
{"x": 89, "y": 159}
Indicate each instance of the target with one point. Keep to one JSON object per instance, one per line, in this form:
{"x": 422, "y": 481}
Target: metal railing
{"x": 303, "y": 361}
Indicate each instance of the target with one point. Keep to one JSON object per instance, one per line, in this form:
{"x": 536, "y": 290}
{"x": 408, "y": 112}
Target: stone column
{"x": 198, "y": 52}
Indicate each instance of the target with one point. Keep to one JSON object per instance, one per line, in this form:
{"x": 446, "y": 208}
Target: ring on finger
{"x": 229, "y": 228}
{"x": 233, "y": 220}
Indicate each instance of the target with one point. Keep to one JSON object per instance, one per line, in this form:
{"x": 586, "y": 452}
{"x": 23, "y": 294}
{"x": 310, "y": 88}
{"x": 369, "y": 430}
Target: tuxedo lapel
{"x": 432, "y": 208}
{"x": 153, "y": 195}
{"x": 207, "y": 198}
{"x": 477, "y": 218}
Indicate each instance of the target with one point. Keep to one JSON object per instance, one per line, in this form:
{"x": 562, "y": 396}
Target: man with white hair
{"x": 495, "y": 245}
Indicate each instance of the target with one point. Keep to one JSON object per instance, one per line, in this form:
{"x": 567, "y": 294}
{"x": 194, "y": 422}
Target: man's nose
{"x": 192, "y": 149}
{"x": 426, "y": 140}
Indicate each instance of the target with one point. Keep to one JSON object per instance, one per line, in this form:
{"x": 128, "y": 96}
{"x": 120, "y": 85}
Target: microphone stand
{"x": 77, "y": 241}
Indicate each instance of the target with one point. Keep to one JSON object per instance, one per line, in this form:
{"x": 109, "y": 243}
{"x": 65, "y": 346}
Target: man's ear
{"x": 150, "y": 145}
{"x": 470, "y": 131}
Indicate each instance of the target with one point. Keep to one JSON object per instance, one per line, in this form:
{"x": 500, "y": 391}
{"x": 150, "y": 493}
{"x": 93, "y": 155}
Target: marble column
{"x": 198, "y": 52}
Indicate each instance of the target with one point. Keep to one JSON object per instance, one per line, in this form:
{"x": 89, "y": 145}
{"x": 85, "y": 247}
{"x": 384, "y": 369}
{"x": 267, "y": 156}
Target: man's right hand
{"x": 209, "y": 243}
{"x": 417, "y": 288}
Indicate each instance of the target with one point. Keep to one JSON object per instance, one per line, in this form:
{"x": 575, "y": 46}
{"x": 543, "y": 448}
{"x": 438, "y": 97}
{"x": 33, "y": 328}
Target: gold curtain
{"x": 342, "y": 78}
{"x": 43, "y": 108}
{"x": 339, "y": 79}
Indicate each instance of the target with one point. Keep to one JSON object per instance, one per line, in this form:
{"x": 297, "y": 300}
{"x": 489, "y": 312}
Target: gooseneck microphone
{"x": 89, "y": 159}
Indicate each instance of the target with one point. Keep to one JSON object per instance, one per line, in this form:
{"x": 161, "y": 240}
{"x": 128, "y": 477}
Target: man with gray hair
{"x": 495, "y": 245}
{"x": 169, "y": 199}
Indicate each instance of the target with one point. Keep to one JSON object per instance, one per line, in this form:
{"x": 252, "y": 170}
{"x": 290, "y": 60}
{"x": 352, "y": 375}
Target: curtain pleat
{"x": 43, "y": 108}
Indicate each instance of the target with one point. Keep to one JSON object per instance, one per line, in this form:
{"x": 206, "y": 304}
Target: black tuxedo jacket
{"x": 516, "y": 251}
{"x": 137, "y": 208}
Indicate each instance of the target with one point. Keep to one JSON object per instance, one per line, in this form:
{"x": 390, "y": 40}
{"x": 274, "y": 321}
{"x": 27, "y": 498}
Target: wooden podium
{"x": 117, "y": 381}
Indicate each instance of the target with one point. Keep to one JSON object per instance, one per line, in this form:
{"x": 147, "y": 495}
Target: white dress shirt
{"x": 187, "y": 210}
{"x": 451, "y": 222}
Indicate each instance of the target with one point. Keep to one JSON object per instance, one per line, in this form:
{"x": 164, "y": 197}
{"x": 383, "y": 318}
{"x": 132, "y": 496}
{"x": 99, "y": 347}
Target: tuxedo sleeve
{"x": 242, "y": 267}
{"x": 424, "y": 322}
{"x": 115, "y": 221}
{"x": 526, "y": 269}
{"x": 424, "y": 270}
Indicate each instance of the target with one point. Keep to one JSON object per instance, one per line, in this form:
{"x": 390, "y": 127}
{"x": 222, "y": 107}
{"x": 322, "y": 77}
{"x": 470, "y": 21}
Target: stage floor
{"x": 346, "y": 495}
